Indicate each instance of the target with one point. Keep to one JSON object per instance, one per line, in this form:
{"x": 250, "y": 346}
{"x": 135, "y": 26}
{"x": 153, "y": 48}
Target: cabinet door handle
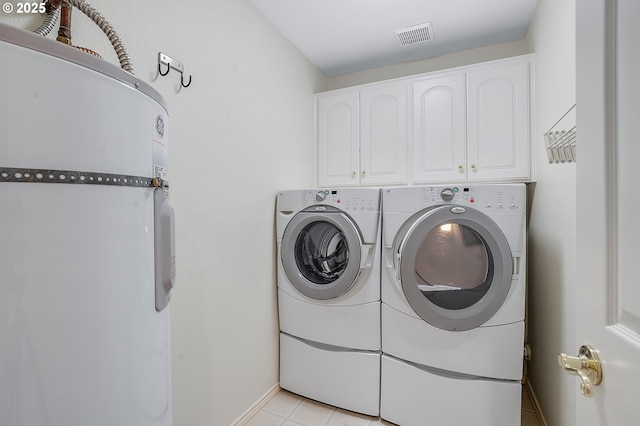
{"x": 364, "y": 173}
{"x": 461, "y": 168}
{"x": 474, "y": 168}
{"x": 353, "y": 174}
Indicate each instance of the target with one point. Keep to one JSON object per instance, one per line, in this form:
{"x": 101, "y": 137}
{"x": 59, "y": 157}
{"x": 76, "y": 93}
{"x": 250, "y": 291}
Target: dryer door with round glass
{"x": 454, "y": 266}
{"x": 321, "y": 252}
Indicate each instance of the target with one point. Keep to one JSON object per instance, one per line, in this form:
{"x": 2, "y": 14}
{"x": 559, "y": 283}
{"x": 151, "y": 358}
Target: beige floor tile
{"x": 292, "y": 423}
{"x": 287, "y": 409}
{"x": 312, "y": 413}
{"x": 263, "y": 418}
{"x": 529, "y": 419}
{"x": 347, "y": 418}
{"x": 526, "y": 401}
{"x": 283, "y": 403}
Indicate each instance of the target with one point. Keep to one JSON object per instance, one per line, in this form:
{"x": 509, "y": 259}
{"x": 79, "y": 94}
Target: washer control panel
{"x": 447, "y": 194}
{"x": 364, "y": 199}
{"x": 495, "y": 197}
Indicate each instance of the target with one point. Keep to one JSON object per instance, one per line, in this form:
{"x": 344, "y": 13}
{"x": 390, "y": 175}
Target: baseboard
{"x": 247, "y": 415}
{"x": 536, "y": 405}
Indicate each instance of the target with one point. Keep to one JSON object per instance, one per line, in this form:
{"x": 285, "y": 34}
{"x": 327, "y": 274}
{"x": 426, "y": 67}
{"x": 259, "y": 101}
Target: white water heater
{"x": 86, "y": 240}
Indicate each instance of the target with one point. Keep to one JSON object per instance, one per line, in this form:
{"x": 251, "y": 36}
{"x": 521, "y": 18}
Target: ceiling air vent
{"x": 415, "y": 34}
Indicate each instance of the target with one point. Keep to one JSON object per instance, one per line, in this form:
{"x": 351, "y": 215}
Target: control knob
{"x": 321, "y": 196}
{"x": 447, "y": 194}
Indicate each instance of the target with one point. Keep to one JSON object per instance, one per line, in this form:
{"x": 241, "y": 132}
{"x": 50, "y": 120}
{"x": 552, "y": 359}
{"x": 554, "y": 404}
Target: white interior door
{"x": 608, "y": 227}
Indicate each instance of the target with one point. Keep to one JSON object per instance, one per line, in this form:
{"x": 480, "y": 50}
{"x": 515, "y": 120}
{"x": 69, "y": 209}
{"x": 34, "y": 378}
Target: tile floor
{"x": 287, "y": 409}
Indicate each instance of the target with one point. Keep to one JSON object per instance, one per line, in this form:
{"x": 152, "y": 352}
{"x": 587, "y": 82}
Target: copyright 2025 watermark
{"x": 23, "y": 8}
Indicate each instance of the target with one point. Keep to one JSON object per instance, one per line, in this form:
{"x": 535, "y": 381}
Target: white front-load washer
{"x": 453, "y": 300}
{"x": 328, "y": 244}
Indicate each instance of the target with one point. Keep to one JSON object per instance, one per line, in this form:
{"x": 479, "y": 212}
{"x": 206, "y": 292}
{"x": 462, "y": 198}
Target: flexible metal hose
{"x": 49, "y": 22}
{"x": 52, "y": 17}
{"x": 106, "y": 27}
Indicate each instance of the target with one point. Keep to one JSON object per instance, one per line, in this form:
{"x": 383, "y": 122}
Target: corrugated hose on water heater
{"x": 53, "y": 13}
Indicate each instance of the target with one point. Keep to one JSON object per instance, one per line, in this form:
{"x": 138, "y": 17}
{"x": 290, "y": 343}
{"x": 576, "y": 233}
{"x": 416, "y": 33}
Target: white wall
{"x": 552, "y": 231}
{"x": 242, "y": 131}
{"x": 458, "y": 59}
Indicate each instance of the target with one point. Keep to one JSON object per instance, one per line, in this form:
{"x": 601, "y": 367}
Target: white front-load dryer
{"x": 453, "y": 297}
{"x": 328, "y": 244}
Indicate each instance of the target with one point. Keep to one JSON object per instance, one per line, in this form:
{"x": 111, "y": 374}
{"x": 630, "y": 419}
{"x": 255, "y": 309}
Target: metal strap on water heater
{"x": 12, "y": 174}
{"x": 164, "y": 216}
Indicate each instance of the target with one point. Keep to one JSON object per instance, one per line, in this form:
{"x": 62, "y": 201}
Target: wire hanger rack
{"x": 561, "y": 138}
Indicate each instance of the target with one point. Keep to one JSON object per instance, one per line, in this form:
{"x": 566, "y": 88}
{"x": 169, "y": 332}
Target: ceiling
{"x": 344, "y": 36}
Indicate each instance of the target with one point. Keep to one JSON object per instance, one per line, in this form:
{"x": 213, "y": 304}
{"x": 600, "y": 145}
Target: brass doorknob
{"x": 586, "y": 365}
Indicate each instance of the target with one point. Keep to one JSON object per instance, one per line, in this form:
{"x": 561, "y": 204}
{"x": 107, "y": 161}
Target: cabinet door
{"x": 338, "y": 139}
{"x": 383, "y": 138}
{"x": 498, "y": 121}
{"x": 439, "y": 145}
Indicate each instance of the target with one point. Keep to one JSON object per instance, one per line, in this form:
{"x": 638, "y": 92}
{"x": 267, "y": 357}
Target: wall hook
{"x": 160, "y": 71}
{"x": 182, "y": 81}
{"x": 164, "y": 59}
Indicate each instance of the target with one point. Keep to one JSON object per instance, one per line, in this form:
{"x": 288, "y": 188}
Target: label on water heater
{"x": 160, "y": 172}
{"x": 160, "y": 148}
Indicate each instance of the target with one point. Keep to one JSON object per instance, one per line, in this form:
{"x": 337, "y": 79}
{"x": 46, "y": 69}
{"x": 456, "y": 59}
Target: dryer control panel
{"x": 496, "y": 197}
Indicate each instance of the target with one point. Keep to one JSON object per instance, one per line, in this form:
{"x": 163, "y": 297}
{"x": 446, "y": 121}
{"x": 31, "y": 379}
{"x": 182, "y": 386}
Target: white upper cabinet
{"x": 468, "y": 124}
{"x": 498, "y": 145}
{"x": 339, "y": 139}
{"x": 362, "y": 136}
{"x": 439, "y": 138}
{"x": 383, "y": 134}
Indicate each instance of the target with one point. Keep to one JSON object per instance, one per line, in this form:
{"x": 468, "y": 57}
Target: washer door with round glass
{"x": 321, "y": 252}
{"x": 454, "y": 265}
